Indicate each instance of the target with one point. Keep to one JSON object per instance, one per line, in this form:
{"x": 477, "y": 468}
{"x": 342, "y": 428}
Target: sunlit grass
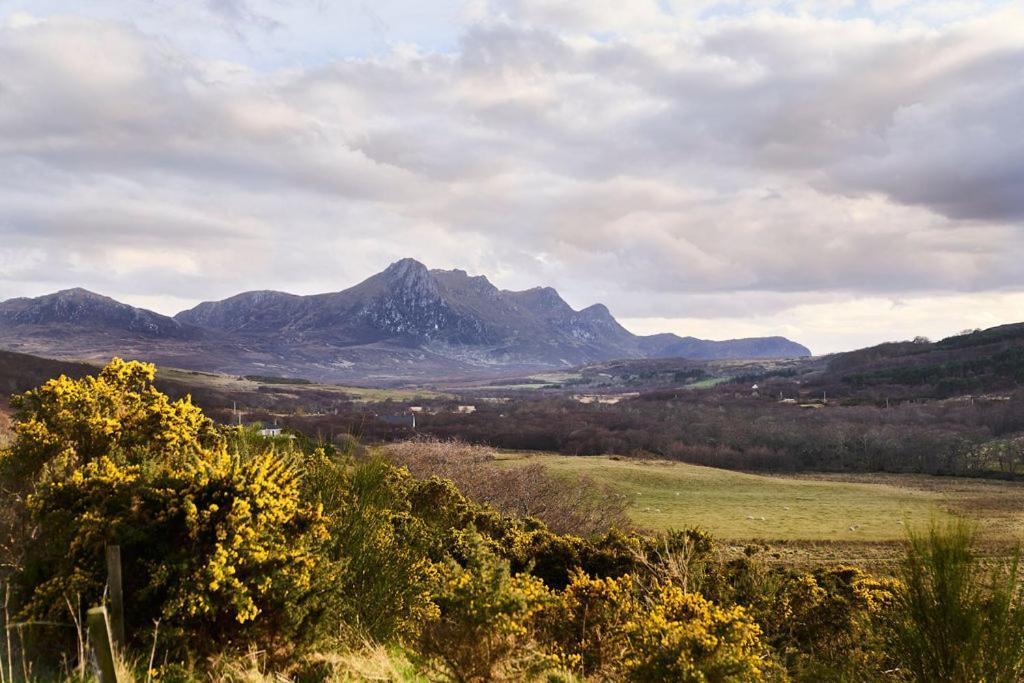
{"x": 739, "y": 506}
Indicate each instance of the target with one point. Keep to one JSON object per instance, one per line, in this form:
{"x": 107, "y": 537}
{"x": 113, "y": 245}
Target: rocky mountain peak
{"x": 542, "y": 300}
{"x": 79, "y": 293}
{"x": 409, "y": 274}
{"x": 597, "y": 312}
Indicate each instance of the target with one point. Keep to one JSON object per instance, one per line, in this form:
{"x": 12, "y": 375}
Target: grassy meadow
{"x": 736, "y": 506}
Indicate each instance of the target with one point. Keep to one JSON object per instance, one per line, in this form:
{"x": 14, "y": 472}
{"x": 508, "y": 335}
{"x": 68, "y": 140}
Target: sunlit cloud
{"x": 722, "y": 169}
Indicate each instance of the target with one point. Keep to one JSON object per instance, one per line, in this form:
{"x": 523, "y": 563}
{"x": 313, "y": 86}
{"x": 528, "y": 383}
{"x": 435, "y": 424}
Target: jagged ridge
{"x": 404, "y": 321}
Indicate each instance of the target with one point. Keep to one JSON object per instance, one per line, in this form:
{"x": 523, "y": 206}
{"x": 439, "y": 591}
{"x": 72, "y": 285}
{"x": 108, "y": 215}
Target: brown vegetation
{"x": 720, "y": 429}
{"x": 581, "y": 506}
{"x": 6, "y": 432}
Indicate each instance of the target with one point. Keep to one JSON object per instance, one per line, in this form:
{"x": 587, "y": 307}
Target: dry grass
{"x": 369, "y": 663}
{"x": 579, "y": 505}
{"x": 6, "y": 428}
{"x": 372, "y": 663}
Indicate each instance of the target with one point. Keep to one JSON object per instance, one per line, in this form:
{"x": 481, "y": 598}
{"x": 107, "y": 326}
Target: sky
{"x": 840, "y": 172}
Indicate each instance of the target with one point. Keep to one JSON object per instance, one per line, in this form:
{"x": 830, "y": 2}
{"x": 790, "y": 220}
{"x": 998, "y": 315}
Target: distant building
{"x": 755, "y": 391}
{"x": 269, "y": 430}
{"x": 465, "y": 410}
{"x": 605, "y": 399}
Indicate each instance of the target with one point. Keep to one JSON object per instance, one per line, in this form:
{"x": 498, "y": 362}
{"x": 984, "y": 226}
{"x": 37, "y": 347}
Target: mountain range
{"x": 406, "y": 322}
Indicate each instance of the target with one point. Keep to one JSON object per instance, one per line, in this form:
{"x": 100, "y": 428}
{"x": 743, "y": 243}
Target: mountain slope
{"x": 406, "y": 322}
{"x": 672, "y": 346}
{"x": 972, "y": 363}
{"x": 83, "y": 308}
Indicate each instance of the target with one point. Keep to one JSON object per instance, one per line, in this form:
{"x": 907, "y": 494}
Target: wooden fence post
{"x": 116, "y": 595}
{"x": 99, "y": 634}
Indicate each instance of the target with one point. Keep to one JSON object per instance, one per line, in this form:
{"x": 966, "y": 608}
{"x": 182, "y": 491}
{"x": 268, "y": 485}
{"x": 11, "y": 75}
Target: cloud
{"x": 831, "y": 324}
{"x": 673, "y": 160}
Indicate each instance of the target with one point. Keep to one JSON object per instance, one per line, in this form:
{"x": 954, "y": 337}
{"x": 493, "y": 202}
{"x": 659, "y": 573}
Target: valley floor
{"x": 857, "y": 518}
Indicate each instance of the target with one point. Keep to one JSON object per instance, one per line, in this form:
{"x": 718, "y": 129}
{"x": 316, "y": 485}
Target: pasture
{"x": 801, "y": 509}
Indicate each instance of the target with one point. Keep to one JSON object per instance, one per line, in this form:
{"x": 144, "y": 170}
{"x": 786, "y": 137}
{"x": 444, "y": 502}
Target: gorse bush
{"x": 216, "y": 547}
{"x": 618, "y": 629}
{"x": 586, "y": 625}
{"x": 485, "y": 616}
{"x": 686, "y": 638}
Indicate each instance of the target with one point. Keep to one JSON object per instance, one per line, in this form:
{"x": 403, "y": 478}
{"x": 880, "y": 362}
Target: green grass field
{"x": 735, "y": 506}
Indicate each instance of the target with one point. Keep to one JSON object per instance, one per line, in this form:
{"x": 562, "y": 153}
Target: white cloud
{"x": 844, "y": 322}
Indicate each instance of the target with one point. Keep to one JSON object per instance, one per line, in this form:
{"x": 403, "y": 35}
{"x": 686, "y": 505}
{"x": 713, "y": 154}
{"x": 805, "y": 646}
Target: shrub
{"x": 386, "y": 577}
{"x": 486, "y": 616}
{"x": 616, "y": 629}
{"x": 686, "y": 638}
{"x": 958, "y": 618}
{"x": 582, "y": 507}
{"x": 586, "y": 626}
{"x": 823, "y": 624}
{"x": 222, "y": 551}
{"x": 118, "y": 413}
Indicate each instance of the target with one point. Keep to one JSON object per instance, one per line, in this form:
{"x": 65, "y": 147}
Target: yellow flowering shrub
{"x": 586, "y": 626}
{"x": 118, "y": 413}
{"x": 621, "y": 629}
{"x": 222, "y": 550}
{"x": 486, "y": 616}
{"x": 820, "y": 624}
{"x": 684, "y": 637}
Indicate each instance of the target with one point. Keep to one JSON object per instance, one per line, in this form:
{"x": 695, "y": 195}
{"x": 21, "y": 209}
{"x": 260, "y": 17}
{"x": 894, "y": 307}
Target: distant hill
{"x": 406, "y": 322}
{"x": 80, "y": 308}
{"x": 978, "y": 362}
{"x": 20, "y": 372}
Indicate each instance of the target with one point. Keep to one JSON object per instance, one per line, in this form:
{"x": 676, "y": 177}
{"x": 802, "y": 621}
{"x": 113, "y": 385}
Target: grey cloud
{"x": 139, "y": 109}
{"x": 670, "y": 167}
